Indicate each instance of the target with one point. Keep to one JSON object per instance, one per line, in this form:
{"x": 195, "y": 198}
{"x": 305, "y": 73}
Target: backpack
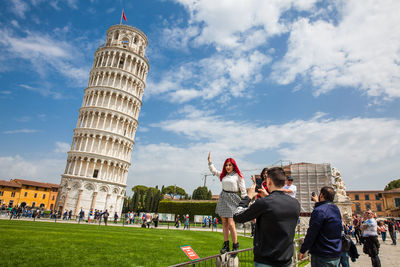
{"x": 227, "y": 260}
{"x": 346, "y": 242}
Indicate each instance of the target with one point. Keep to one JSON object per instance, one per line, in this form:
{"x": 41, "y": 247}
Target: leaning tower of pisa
{"x": 98, "y": 162}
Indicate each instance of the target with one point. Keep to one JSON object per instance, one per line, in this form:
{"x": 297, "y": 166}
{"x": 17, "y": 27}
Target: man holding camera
{"x": 277, "y": 215}
{"x": 323, "y": 238}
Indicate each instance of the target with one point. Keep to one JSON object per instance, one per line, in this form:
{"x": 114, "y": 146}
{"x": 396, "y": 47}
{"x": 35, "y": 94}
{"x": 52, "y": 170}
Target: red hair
{"x": 235, "y": 168}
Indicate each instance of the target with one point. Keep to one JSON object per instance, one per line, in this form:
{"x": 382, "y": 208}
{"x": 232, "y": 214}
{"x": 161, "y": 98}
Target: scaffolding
{"x": 308, "y": 178}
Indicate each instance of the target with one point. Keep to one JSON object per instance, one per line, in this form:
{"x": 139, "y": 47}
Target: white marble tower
{"x": 98, "y": 162}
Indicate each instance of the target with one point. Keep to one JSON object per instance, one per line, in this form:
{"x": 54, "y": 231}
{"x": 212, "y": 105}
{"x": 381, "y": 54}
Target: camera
{"x": 312, "y": 195}
{"x": 258, "y": 183}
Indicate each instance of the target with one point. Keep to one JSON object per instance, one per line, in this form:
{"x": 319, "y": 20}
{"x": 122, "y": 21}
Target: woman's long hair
{"x": 262, "y": 172}
{"x": 235, "y": 168}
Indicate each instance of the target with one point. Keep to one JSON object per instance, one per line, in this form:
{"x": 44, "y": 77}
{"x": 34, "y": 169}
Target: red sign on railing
{"x": 189, "y": 252}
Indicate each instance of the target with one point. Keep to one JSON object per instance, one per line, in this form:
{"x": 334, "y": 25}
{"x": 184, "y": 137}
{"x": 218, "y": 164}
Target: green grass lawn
{"x": 27, "y": 243}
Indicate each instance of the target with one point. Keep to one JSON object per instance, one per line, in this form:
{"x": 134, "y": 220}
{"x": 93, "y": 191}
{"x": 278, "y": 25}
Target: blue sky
{"x": 259, "y": 81}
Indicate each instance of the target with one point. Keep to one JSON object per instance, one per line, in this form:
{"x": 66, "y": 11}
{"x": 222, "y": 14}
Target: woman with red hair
{"x": 232, "y": 181}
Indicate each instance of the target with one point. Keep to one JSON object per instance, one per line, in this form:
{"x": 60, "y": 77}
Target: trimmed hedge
{"x": 192, "y": 208}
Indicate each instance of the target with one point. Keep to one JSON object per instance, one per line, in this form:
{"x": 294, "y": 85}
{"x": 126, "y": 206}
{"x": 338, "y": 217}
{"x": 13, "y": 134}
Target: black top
{"x": 277, "y": 216}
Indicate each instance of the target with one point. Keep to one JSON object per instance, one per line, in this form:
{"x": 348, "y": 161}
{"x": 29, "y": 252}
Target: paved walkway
{"x": 389, "y": 255}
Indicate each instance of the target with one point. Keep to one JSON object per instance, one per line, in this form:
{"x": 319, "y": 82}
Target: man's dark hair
{"x": 328, "y": 192}
{"x": 277, "y": 175}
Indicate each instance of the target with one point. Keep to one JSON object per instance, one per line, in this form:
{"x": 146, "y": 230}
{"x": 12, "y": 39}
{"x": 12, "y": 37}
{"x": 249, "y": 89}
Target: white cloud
{"x": 62, "y": 147}
{"x": 43, "y": 170}
{"x": 15, "y": 23}
{"x": 47, "y": 55}
{"x": 110, "y": 10}
{"x": 19, "y": 8}
{"x": 362, "y": 148}
{"x": 23, "y": 119}
{"x": 338, "y": 44}
{"x": 44, "y": 90}
{"x": 20, "y": 131}
{"x": 73, "y": 4}
{"x": 5, "y": 92}
{"x": 361, "y": 51}
{"x": 210, "y": 77}
{"x": 54, "y": 4}
{"x": 232, "y": 24}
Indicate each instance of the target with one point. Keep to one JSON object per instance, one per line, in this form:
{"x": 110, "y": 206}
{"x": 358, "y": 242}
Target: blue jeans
{"x": 256, "y": 264}
{"x": 344, "y": 259}
{"x": 383, "y": 236}
{"x": 317, "y": 261}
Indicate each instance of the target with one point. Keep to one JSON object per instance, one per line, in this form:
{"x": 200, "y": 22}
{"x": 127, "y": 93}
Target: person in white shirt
{"x": 289, "y": 187}
{"x": 232, "y": 182}
{"x": 370, "y": 236}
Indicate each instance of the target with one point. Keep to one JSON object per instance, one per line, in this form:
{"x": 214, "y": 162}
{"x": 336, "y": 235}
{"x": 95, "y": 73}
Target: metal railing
{"x": 246, "y": 257}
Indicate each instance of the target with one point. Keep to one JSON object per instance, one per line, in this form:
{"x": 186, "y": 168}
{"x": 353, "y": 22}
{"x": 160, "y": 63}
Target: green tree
{"x": 148, "y": 199}
{"x": 201, "y": 193}
{"x": 174, "y": 191}
{"x": 393, "y": 184}
{"x": 156, "y": 202}
{"x": 127, "y": 204}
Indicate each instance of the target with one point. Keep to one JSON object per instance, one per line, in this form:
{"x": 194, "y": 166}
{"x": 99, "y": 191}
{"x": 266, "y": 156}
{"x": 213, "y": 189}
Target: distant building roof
{"x": 392, "y": 191}
{"x": 364, "y": 191}
{"x": 215, "y": 197}
{"x": 34, "y": 183}
{"x": 9, "y": 184}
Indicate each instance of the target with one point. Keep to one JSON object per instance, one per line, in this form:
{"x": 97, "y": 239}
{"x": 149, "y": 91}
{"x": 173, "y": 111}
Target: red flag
{"x": 123, "y": 15}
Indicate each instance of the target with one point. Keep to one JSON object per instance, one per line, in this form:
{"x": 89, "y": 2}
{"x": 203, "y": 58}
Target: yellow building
{"x": 367, "y": 199}
{"x": 28, "y": 193}
{"x": 391, "y": 199}
{"x": 9, "y": 193}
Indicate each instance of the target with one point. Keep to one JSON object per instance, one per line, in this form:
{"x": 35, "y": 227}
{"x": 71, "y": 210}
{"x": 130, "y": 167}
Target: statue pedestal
{"x": 344, "y": 205}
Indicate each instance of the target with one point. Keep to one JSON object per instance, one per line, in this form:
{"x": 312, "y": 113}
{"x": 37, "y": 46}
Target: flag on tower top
{"x": 123, "y": 15}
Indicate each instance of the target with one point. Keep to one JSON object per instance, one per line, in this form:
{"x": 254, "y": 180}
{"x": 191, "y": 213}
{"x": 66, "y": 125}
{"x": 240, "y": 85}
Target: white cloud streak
{"x": 43, "y": 170}
{"x": 20, "y": 131}
{"x": 362, "y": 148}
{"x": 211, "y": 77}
{"x": 338, "y": 44}
{"x": 19, "y": 8}
{"x": 46, "y": 55}
{"x": 62, "y": 147}
{"x": 361, "y": 52}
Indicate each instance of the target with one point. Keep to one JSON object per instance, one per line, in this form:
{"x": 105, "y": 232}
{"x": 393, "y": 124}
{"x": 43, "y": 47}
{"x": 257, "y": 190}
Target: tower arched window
{"x": 125, "y": 42}
{"x": 121, "y": 63}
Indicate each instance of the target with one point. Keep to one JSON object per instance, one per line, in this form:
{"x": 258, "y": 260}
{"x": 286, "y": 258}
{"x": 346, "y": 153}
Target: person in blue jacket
{"x": 323, "y": 239}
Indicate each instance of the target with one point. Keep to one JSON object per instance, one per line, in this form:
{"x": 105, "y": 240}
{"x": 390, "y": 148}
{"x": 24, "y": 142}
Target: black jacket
{"x": 277, "y": 216}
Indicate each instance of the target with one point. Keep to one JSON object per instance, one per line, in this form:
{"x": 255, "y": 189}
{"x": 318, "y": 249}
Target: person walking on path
{"x": 81, "y": 215}
{"x": 370, "y": 237}
{"x": 276, "y": 217}
{"x": 232, "y": 182}
{"x": 186, "y": 222}
{"x": 392, "y": 231}
{"x": 116, "y": 217}
{"x": 357, "y": 230}
{"x": 155, "y": 220}
{"x": 324, "y": 235}
{"x": 177, "y": 221}
{"x": 105, "y": 216}
{"x": 382, "y": 230}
